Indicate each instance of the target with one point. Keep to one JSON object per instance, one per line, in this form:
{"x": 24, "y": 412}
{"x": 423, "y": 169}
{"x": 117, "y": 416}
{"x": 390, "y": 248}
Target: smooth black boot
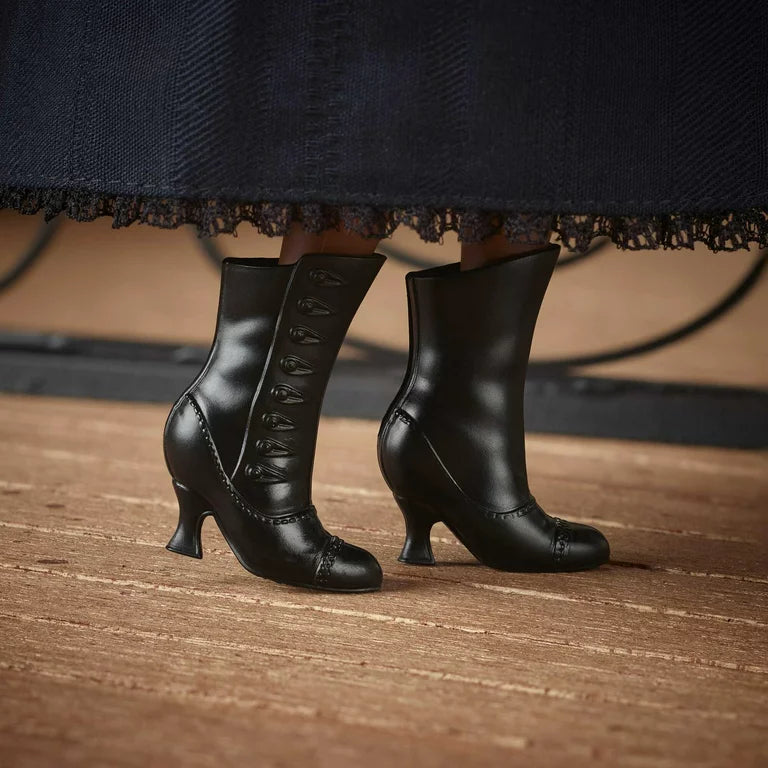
{"x": 240, "y": 442}
{"x": 452, "y": 445}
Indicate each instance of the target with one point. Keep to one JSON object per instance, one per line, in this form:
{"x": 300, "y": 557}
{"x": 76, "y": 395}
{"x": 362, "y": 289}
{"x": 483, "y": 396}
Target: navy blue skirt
{"x": 646, "y": 122}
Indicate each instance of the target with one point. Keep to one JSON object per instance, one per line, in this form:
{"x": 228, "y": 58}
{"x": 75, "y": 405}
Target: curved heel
{"x": 419, "y": 519}
{"x": 192, "y": 511}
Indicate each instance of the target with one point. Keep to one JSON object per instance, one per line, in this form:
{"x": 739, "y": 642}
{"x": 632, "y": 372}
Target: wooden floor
{"x": 116, "y": 652}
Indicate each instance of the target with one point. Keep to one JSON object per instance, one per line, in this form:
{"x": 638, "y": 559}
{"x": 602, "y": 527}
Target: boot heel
{"x": 419, "y": 519}
{"x": 192, "y": 511}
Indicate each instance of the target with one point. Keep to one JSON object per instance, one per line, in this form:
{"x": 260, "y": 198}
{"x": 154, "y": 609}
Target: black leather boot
{"x": 452, "y": 446}
{"x": 240, "y": 442}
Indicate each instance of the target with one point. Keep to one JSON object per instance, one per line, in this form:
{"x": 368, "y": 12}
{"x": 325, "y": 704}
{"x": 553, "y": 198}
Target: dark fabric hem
{"x": 719, "y": 231}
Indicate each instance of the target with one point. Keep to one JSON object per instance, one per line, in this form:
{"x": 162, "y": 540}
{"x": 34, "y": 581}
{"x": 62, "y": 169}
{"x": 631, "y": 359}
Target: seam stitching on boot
{"x": 329, "y": 557}
{"x": 563, "y": 536}
{"x": 227, "y": 483}
{"x": 492, "y": 514}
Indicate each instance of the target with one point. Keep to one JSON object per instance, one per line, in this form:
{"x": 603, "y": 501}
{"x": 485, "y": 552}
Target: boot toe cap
{"x": 352, "y": 569}
{"x": 587, "y": 548}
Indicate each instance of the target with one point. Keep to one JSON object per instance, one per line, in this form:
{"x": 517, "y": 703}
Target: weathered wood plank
{"x": 117, "y": 651}
{"x": 644, "y": 589}
{"x": 77, "y": 720}
{"x": 505, "y": 620}
{"x": 419, "y": 692}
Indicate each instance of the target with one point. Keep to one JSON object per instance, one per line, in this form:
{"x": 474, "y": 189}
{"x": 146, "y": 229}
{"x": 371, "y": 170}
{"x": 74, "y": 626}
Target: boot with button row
{"x": 240, "y": 442}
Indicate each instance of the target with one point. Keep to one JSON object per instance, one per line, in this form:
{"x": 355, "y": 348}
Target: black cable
{"x": 31, "y": 255}
{"x": 730, "y": 300}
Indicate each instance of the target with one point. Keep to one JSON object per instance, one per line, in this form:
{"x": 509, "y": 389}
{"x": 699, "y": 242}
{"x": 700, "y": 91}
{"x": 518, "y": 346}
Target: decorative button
{"x": 303, "y": 335}
{"x": 264, "y": 473}
{"x": 285, "y": 394}
{"x": 277, "y": 422}
{"x": 312, "y": 306}
{"x": 295, "y": 366}
{"x": 272, "y": 448}
{"x": 325, "y": 277}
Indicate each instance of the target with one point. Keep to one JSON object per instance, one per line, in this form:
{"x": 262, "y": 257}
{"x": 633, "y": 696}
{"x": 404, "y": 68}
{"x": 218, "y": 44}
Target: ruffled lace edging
{"x": 719, "y": 231}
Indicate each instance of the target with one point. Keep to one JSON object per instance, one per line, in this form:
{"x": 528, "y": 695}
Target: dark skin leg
{"x": 338, "y": 241}
{"x": 496, "y": 248}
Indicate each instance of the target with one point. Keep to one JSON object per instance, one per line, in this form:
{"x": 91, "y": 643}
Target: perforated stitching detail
{"x": 329, "y": 558}
{"x": 563, "y": 537}
{"x": 309, "y": 512}
{"x": 522, "y": 511}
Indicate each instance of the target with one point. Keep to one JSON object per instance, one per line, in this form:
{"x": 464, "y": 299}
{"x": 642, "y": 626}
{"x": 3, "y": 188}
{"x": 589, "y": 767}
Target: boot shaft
{"x": 462, "y": 397}
{"x": 274, "y": 468}
{"x": 471, "y": 332}
{"x": 278, "y": 335}
{"x": 250, "y": 298}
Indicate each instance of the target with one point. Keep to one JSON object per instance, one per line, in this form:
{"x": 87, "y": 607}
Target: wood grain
{"x": 116, "y": 652}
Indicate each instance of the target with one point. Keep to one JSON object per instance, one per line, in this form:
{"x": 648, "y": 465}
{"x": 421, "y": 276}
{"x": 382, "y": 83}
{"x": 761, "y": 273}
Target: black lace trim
{"x": 720, "y": 231}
